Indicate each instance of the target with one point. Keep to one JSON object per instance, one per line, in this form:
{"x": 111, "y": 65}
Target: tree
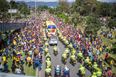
{"x": 76, "y": 6}
{"x": 4, "y": 6}
{"x": 42, "y": 8}
{"x": 112, "y": 23}
{"x": 104, "y": 9}
{"x": 64, "y": 6}
{"x": 23, "y": 8}
{"x": 13, "y": 4}
{"x": 93, "y": 24}
{"x": 90, "y": 6}
{"x": 76, "y": 19}
{"x": 113, "y": 10}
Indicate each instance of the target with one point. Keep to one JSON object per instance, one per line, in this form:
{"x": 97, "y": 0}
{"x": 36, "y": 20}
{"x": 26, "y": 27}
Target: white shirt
{"x": 18, "y": 70}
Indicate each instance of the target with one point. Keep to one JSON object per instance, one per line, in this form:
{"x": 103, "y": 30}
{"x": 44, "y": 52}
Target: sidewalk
{"x": 12, "y": 75}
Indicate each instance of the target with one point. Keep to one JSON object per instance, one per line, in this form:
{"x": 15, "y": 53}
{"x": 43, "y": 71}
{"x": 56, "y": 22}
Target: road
{"x": 12, "y": 75}
{"x": 56, "y": 60}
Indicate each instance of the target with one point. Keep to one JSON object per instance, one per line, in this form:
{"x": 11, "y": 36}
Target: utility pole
{"x": 35, "y": 8}
{"x": 10, "y": 8}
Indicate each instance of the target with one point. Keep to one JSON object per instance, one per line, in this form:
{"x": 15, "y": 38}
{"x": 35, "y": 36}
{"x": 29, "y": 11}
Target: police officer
{"x": 48, "y": 56}
{"x": 66, "y": 42}
{"x": 80, "y": 55}
{"x": 73, "y": 59}
{"x": 48, "y": 62}
{"x": 45, "y": 39}
{"x": 94, "y": 74}
{"x": 66, "y": 72}
{"x": 82, "y": 70}
{"x": 73, "y": 51}
{"x": 99, "y": 73}
{"x": 46, "y": 44}
{"x": 46, "y": 51}
{"x": 70, "y": 46}
{"x": 67, "y": 51}
{"x": 95, "y": 66}
{"x": 55, "y": 49}
{"x": 64, "y": 57}
{"x": 48, "y": 71}
{"x": 87, "y": 61}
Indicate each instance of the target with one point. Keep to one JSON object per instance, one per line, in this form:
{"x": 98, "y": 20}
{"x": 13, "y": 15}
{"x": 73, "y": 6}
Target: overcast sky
{"x": 45, "y": 0}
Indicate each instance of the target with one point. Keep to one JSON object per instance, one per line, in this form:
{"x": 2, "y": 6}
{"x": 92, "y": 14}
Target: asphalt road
{"x": 12, "y": 75}
{"x": 56, "y": 60}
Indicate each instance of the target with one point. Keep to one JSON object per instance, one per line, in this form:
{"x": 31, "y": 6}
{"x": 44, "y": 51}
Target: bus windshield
{"x": 51, "y": 27}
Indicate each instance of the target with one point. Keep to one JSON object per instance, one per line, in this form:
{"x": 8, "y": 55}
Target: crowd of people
{"x": 91, "y": 52}
{"x": 23, "y": 47}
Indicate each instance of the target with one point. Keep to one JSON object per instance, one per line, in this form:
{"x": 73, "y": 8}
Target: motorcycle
{"x": 57, "y": 71}
{"x": 66, "y": 73}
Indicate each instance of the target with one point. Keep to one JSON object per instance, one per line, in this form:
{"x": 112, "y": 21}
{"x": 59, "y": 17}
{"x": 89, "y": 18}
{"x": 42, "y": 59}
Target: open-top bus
{"x": 51, "y": 28}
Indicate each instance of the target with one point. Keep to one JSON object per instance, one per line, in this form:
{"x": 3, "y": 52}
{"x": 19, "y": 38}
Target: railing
{"x": 11, "y": 26}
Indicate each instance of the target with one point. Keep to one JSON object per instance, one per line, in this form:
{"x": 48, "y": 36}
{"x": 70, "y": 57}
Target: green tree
{"x": 64, "y": 6}
{"x": 104, "y": 9}
{"x": 113, "y": 10}
{"x": 93, "y": 24}
{"x": 112, "y": 23}
{"x": 23, "y": 8}
{"x": 13, "y": 4}
{"x": 42, "y": 8}
{"x": 4, "y": 6}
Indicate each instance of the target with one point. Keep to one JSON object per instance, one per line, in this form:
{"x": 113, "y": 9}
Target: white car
{"x": 53, "y": 41}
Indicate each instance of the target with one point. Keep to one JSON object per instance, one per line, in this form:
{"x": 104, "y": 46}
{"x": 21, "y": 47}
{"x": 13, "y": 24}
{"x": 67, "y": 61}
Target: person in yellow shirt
{"x": 100, "y": 49}
{"x": 73, "y": 59}
{"x": 17, "y": 59}
{"x": 82, "y": 71}
{"x": 55, "y": 49}
{"x": 29, "y": 60}
{"x": 48, "y": 72}
{"x": 94, "y": 74}
{"x": 48, "y": 62}
{"x": 46, "y": 51}
{"x": 4, "y": 58}
{"x": 14, "y": 42}
{"x": 112, "y": 63}
{"x": 64, "y": 57}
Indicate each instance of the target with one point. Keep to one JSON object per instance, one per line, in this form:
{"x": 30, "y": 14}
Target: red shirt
{"x": 109, "y": 73}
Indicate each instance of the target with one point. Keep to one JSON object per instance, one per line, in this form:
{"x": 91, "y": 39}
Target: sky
{"x": 45, "y": 0}
{"x": 107, "y": 0}
{"x": 67, "y": 0}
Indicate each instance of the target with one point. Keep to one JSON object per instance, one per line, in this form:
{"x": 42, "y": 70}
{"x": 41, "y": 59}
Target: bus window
{"x": 49, "y": 27}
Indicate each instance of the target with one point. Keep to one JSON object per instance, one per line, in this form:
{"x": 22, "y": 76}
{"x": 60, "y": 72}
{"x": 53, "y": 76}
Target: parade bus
{"x": 51, "y": 32}
{"x": 51, "y": 28}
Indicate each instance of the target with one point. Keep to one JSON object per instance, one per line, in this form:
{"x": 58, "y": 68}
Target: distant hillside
{"x": 49, "y": 4}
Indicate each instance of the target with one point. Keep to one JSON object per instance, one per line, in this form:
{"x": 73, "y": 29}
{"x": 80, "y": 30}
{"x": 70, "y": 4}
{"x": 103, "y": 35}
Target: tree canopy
{"x": 4, "y": 6}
